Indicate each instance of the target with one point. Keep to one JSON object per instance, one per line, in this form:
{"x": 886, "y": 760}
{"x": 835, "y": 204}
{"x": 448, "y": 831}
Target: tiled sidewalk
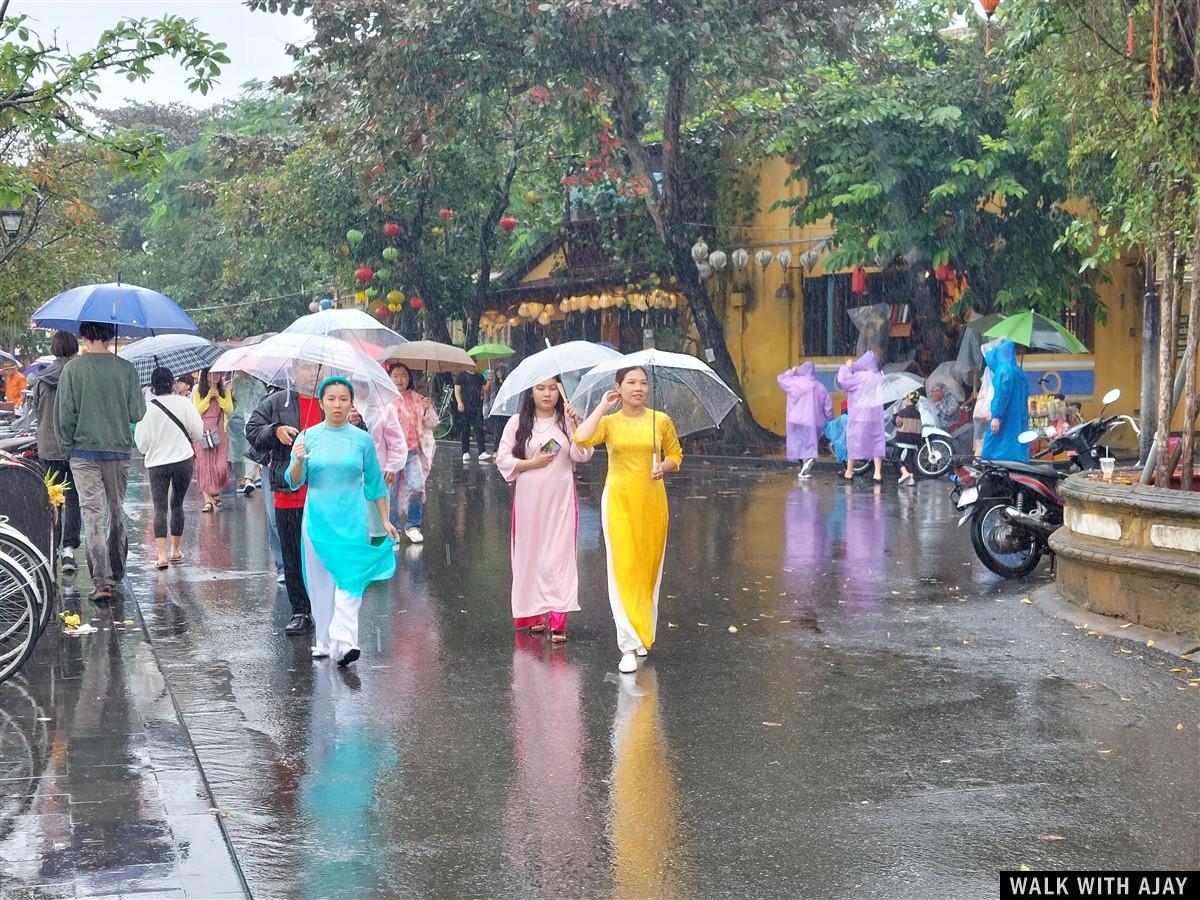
{"x": 101, "y": 794}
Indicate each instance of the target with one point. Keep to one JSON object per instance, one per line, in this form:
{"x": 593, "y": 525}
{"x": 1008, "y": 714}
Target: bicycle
{"x": 18, "y": 616}
{"x": 445, "y": 416}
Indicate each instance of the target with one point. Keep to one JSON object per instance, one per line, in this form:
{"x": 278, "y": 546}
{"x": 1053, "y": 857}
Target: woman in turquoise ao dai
{"x": 338, "y": 463}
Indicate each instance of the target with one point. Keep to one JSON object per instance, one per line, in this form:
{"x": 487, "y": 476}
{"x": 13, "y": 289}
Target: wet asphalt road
{"x": 888, "y": 720}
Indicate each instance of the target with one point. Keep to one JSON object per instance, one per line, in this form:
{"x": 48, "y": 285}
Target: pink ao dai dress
{"x": 545, "y": 520}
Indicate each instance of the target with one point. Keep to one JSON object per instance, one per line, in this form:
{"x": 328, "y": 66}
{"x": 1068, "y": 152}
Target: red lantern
{"x": 381, "y": 312}
{"x": 364, "y": 273}
{"x": 858, "y": 281}
{"x": 989, "y": 7}
{"x": 508, "y": 223}
{"x": 391, "y": 229}
{"x": 942, "y": 272}
{"x": 446, "y": 213}
{"x": 416, "y": 302}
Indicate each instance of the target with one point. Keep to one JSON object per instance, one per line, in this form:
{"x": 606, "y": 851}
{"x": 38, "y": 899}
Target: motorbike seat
{"x": 1040, "y": 470}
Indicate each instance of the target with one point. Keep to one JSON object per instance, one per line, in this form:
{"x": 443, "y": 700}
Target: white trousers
{"x": 334, "y": 610}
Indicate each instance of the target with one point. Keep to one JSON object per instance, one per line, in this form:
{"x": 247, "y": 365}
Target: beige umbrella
{"x": 430, "y": 356}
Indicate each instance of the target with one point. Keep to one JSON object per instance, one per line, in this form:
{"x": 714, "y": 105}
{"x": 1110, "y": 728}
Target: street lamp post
{"x": 11, "y": 220}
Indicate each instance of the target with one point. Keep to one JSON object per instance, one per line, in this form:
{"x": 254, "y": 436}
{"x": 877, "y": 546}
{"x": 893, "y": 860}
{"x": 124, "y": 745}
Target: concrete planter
{"x": 1131, "y": 551}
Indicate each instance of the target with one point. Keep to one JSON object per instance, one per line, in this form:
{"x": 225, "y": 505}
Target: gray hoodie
{"x": 45, "y": 386}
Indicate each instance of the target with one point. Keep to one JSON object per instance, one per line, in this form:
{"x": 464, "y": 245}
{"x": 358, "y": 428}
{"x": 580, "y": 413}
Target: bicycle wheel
{"x": 18, "y": 617}
{"x": 23, "y": 552}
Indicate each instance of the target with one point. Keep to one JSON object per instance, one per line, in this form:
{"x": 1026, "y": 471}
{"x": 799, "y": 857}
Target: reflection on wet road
{"x": 887, "y": 719}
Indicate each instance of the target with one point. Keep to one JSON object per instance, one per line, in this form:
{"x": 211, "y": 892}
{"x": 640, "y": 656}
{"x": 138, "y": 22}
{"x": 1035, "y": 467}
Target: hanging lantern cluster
{"x": 531, "y": 312}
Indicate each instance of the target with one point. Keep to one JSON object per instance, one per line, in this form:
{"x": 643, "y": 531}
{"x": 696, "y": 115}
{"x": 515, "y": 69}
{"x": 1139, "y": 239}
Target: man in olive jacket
{"x": 98, "y": 399}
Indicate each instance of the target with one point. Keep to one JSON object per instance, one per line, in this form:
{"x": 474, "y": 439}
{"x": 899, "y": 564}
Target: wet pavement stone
{"x": 841, "y": 703}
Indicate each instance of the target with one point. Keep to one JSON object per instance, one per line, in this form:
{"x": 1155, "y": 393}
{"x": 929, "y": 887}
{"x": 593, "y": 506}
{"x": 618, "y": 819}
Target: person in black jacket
{"x": 271, "y": 428}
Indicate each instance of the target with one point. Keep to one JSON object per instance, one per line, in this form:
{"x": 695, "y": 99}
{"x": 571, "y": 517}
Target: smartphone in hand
{"x": 551, "y": 446}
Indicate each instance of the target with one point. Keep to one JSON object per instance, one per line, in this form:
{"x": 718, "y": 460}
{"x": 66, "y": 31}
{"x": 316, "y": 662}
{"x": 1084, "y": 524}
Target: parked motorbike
{"x": 19, "y": 436}
{"x": 1014, "y": 507}
{"x": 934, "y": 454}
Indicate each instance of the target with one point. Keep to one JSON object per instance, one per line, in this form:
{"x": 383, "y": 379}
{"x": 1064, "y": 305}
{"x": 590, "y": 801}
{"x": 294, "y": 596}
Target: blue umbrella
{"x": 135, "y": 311}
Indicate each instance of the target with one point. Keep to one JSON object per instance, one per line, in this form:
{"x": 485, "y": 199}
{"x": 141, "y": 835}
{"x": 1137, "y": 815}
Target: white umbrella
{"x": 300, "y": 362}
{"x": 566, "y": 361}
{"x": 351, "y": 325}
{"x": 889, "y": 388}
{"x": 945, "y": 376}
{"x": 683, "y": 387}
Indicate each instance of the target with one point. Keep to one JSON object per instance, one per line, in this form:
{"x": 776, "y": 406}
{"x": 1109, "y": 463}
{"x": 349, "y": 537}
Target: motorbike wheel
{"x": 984, "y": 524}
{"x": 934, "y": 456}
{"x": 861, "y": 467}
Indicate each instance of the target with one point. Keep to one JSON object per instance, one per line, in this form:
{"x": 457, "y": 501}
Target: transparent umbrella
{"x": 351, "y": 325}
{"x": 300, "y": 362}
{"x": 945, "y": 376}
{"x": 566, "y": 361}
{"x": 890, "y": 388}
{"x": 683, "y": 387}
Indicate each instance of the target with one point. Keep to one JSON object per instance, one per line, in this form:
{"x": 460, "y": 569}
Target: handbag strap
{"x": 171, "y": 416}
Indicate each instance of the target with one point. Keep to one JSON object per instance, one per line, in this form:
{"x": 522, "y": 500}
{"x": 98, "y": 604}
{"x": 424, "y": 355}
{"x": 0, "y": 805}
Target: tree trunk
{"x": 1149, "y": 394}
{"x": 1168, "y": 305}
{"x": 487, "y": 234}
{"x": 1187, "y": 444}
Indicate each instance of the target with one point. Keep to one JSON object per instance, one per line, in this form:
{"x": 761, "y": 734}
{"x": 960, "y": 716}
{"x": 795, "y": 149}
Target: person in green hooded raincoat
{"x": 338, "y": 463}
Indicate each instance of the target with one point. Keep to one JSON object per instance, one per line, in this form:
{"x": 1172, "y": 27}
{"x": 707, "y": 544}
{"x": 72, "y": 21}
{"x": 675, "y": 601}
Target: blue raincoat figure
{"x": 1010, "y": 405}
{"x": 835, "y": 433}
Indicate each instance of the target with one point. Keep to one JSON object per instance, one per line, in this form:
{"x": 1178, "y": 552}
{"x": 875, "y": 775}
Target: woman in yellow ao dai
{"x": 642, "y": 448}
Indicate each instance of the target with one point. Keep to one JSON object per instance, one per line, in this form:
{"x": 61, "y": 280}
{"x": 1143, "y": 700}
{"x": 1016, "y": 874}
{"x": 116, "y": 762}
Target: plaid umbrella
{"x": 181, "y": 353}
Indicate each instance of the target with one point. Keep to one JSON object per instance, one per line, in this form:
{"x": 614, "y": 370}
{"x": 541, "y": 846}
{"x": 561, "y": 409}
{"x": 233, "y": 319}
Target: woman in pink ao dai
{"x": 538, "y": 457}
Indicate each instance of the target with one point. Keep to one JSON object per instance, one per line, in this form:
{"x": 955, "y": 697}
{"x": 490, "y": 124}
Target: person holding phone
{"x": 642, "y": 448}
{"x": 214, "y": 402}
{"x": 537, "y": 456}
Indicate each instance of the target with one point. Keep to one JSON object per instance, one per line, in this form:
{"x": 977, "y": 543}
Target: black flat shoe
{"x": 352, "y": 655}
{"x": 299, "y": 624}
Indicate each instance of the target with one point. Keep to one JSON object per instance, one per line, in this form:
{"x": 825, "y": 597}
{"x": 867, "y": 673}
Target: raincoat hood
{"x": 865, "y": 363}
{"x": 50, "y": 375}
{"x": 1003, "y": 354}
{"x": 808, "y": 369}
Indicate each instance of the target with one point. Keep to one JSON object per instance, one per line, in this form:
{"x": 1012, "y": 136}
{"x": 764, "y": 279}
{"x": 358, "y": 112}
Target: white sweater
{"x": 159, "y": 439}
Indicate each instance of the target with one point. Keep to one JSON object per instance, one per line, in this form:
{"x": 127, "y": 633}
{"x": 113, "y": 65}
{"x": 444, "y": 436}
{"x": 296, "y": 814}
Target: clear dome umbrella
{"x": 567, "y": 362}
{"x": 300, "y": 362}
{"x": 351, "y": 325}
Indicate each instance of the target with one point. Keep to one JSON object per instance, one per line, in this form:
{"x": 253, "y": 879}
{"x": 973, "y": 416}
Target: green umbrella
{"x": 491, "y": 351}
{"x": 1036, "y": 332}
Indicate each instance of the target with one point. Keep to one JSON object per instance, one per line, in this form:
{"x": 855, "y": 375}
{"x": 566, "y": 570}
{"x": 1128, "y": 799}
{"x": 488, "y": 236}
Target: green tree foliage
{"x": 910, "y": 153}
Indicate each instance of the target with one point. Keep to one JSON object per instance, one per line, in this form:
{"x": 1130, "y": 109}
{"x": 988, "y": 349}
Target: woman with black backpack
{"x": 165, "y": 436}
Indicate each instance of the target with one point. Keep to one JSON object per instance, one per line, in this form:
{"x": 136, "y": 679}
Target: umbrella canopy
{"x": 566, "y": 362}
{"x": 134, "y": 311}
{"x": 37, "y": 365}
{"x": 944, "y": 377}
{"x": 430, "y": 356}
{"x": 890, "y": 388}
{"x": 491, "y": 351}
{"x": 1029, "y": 329}
{"x": 7, "y": 359}
{"x": 300, "y": 362}
{"x": 180, "y": 353}
{"x": 682, "y": 386}
{"x": 351, "y": 325}
{"x": 983, "y": 323}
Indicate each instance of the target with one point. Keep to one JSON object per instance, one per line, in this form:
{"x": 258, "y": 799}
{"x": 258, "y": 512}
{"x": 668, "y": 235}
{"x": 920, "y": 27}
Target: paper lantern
{"x": 395, "y": 307}
{"x": 390, "y": 253}
{"x": 740, "y": 258}
{"x": 717, "y": 260}
{"x": 325, "y": 303}
{"x": 391, "y": 229}
{"x": 514, "y": 321}
{"x": 446, "y": 213}
{"x": 593, "y": 302}
{"x": 354, "y": 236}
{"x": 508, "y": 223}
{"x": 785, "y": 260}
{"x": 942, "y": 272}
{"x": 360, "y": 296}
{"x": 371, "y": 293}
{"x": 364, "y": 273}
{"x": 565, "y": 306}
{"x": 699, "y": 251}
{"x": 344, "y": 249}
{"x": 704, "y": 269}
{"x": 381, "y": 312}
{"x": 989, "y": 7}
{"x": 544, "y": 319}
{"x": 312, "y": 307}
{"x": 417, "y": 303}
{"x": 858, "y": 280}
{"x": 396, "y": 297}
{"x": 809, "y": 258}
{"x": 383, "y": 274}
{"x": 763, "y": 258}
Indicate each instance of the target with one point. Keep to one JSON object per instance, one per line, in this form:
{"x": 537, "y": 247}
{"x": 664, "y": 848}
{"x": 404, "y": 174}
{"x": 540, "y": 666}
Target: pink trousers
{"x": 558, "y": 621}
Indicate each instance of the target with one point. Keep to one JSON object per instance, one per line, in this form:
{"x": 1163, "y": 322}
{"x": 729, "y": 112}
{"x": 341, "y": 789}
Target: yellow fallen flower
{"x": 71, "y": 621}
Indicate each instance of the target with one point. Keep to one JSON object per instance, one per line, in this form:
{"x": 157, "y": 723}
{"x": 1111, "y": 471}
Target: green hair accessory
{"x": 335, "y": 379}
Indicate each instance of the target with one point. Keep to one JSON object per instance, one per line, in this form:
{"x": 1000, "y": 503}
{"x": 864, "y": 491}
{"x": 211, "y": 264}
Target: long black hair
{"x": 205, "y": 383}
{"x": 526, "y": 415}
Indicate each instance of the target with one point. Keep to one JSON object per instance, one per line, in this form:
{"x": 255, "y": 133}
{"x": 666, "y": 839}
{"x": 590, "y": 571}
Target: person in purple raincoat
{"x": 864, "y": 434}
{"x": 809, "y": 407}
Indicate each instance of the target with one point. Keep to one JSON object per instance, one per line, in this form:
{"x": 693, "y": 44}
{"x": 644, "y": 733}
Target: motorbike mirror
{"x": 1112, "y": 396}
{"x": 1048, "y": 432}
{"x": 1027, "y": 437}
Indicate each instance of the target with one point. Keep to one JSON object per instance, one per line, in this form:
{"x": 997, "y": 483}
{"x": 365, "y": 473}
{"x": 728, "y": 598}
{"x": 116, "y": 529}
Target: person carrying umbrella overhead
{"x": 642, "y": 448}
{"x": 809, "y": 407}
{"x": 1009, "y": 406}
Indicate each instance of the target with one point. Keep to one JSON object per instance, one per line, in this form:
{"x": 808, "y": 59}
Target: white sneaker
{"x": 628, "y": 664}
{"x": 280, "y": 578}
{"x": 484, "y": 456}
{"x": 320, "y": 653}
{"x": 466, "y": 457}
{"x": 806, "y": 468}
{"x": 414, "y": 535}
{"x": 642, "y": 651}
